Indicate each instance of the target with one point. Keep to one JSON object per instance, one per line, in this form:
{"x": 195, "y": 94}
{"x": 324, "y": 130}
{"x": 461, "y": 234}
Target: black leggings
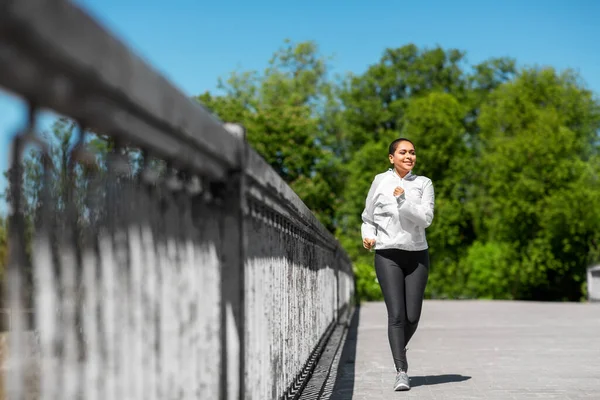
{"x": 402, "y": 276}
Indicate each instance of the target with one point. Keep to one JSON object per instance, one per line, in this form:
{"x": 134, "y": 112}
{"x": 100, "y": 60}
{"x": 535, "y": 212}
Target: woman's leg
{"x": 416, "y": 275}
{"x": 391, "y": 279}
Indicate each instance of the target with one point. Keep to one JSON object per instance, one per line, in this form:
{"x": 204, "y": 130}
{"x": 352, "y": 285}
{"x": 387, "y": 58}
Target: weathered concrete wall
{"x": 296, "y": 280}
{"x": 129, "y": 310}
{"x": 203, "y": 278}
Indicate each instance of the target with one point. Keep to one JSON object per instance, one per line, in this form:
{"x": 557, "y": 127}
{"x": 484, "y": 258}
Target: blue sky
{"x": 193, "y": 43}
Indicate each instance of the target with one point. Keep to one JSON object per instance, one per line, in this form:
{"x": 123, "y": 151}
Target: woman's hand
{"x": 398, "y": 191}
{"x": 368, "y": 243}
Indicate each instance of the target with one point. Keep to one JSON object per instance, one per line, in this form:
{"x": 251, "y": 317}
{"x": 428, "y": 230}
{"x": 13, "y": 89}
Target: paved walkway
{"x": 476, "y": 350}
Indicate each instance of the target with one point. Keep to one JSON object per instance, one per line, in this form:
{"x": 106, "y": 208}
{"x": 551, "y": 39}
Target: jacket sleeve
{"x": 420, "y": 214}
{"x": 368, "y": 228}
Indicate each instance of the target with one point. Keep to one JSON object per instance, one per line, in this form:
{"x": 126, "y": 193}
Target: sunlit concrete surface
{"x": 476, "y": 350}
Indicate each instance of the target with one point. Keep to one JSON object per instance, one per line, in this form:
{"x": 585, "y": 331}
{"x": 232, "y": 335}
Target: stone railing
{"x": 162, "y": 257}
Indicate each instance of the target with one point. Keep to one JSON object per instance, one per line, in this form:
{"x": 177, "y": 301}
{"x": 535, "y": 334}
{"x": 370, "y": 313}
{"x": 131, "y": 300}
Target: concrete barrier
{"x": 190, "y": 269}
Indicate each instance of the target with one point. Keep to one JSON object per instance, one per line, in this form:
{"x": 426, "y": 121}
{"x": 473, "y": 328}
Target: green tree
{"x": 539, "y": 183}
{"x": 376, "y": 101}
{"x": 514, "y": 157}
{"x": 415, "y": 94}
{"x": 285, "y": 113}
{"x": 435, "y": 122}
{"x": 505, "y": 150}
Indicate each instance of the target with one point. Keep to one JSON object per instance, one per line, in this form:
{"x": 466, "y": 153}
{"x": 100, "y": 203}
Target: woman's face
{"x": 404, "y": 158}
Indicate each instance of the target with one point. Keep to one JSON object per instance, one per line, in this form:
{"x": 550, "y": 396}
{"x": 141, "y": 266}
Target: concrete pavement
{"x": 475, "y": 350}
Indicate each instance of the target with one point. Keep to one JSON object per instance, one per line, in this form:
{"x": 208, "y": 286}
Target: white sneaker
{"x": 402, "y": 381}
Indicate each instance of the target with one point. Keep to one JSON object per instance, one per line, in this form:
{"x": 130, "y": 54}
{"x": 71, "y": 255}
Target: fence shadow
{"x": 343, "y": 388}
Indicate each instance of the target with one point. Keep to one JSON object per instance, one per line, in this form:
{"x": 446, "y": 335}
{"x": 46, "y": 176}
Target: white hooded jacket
{"x": 398, "y": 222}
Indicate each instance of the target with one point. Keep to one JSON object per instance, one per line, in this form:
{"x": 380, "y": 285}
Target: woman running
{"x": 398, "y": 209}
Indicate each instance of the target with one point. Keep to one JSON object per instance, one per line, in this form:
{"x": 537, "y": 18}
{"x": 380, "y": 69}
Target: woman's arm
{"x": 368, "y": 228}
{"x": 420, "y": 214}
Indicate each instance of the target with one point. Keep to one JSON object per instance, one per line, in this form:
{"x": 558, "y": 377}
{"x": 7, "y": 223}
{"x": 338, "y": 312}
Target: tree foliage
{"x": 514, "y": 155}
{"x": 285, "y": 111}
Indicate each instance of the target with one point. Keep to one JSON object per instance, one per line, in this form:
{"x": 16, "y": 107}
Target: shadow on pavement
{"x": 436, "y": 379}
{"x": 344, "y": 382}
